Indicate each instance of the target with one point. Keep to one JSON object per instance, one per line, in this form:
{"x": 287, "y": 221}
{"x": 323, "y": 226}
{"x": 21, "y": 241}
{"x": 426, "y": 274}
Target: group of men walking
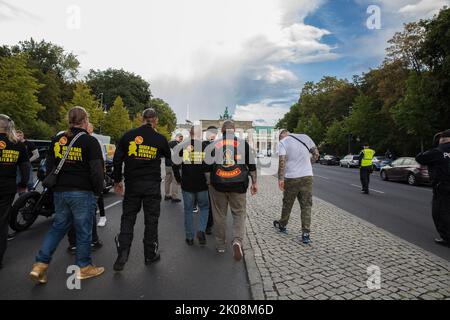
{"x": 212, "y": 175}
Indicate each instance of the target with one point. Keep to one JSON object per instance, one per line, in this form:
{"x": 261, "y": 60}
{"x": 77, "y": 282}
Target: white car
{"x": 349, "y": 161}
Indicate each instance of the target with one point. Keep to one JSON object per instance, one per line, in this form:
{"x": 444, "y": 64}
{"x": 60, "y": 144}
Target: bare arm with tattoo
{"x": 281, "y": 172}
{"x": 315, "y": 154}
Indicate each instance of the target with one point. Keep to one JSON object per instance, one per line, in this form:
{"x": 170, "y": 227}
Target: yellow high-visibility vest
{"x": 367, "y": 159}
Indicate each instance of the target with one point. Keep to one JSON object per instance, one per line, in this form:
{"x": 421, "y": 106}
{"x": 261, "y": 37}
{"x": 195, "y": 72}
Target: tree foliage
{"x": 398, "y": 106}
{"x": 117, "y": 121}
{"x": 82, "y": 96}
{"x": 133, "y": 89}
{"x": 18, "y": 89}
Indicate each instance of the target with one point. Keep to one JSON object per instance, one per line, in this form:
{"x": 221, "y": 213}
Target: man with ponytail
{"x": 13, "y": 156}
{"x": 78, "y": 184}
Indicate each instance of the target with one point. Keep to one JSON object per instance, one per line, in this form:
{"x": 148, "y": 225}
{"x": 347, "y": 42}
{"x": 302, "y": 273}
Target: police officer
{"x": 13, "y": 155}
{"x": 438, "y": 162}
{"x": 141, "y": 150}
{"x": 365, "y": 165}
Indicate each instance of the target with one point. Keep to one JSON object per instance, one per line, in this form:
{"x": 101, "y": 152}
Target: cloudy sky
{"x": 250, "y": 55}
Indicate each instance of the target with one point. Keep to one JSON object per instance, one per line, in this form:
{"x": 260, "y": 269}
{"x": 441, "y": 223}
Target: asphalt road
{"x": 183, "y": 273}
{"x": 396, "y": 207}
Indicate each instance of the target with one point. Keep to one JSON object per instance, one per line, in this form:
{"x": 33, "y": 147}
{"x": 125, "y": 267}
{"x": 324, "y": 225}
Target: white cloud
{"x": 424, "y": 8}
{"x": 205, "y": 53}
{"x": 273, "y": 75}
{"x": 265, "y": 112}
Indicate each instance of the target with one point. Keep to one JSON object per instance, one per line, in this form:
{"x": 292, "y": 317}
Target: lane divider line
{"x": 113, "y": 204}
{"x": 354, "y": 185}
{"x": 316, "y": 175}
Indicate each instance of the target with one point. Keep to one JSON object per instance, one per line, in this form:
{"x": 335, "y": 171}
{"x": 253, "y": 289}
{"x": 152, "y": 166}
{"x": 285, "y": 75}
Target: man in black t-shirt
{"x": 233, "y": 163}
{"x": 172, "y": 190}
{"x": 193, "y": 184}
{"x": 141, "y": 151}
{"x": 13, "y": 156}
{"x": 78, "y": 184}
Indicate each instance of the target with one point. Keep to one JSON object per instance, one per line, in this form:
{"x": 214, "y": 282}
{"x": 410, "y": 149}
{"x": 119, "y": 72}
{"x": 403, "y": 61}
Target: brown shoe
{"x": 237, "y": 251}
{"x": 38, "y": 272}
{"x": 90, "y": 272}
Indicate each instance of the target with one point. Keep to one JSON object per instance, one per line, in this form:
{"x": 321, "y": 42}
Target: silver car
{"x": 349, "y": 161}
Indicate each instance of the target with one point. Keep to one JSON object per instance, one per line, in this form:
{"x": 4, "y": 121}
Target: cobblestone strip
{"x": 335, "y": 265}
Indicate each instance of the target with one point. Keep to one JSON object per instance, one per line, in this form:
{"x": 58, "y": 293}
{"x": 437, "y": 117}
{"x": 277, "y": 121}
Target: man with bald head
{"x": 233, "y": 164}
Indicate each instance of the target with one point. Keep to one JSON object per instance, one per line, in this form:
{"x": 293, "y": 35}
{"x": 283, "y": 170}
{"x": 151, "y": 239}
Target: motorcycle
{"x": 30, "y": 205}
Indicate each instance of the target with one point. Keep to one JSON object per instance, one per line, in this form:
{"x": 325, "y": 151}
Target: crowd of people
{"x": 210, "y": 176}
{"x": 75, "y": 173}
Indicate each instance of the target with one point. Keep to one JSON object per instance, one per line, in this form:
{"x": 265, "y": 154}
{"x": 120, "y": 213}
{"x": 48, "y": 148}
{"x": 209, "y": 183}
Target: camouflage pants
{"x": 301, "y": 189}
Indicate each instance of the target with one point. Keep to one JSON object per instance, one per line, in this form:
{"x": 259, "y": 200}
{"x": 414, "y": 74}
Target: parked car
{"x": 406, "y": 169}
{"x": 349, "y": 161}
{"x": 380, "y": 162}
{"x": 43, "y": 146}
{"x": 329, "y": 160}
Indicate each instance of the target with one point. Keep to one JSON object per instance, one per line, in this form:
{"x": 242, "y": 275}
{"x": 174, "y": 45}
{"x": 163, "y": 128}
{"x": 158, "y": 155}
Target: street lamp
{"x": 350, "y": 136}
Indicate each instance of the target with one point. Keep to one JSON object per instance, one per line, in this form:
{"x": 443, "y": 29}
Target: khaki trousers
{"x": 219, "y": 204}
{"x": 300, "y": 189}
{"x": 172, "y": 189}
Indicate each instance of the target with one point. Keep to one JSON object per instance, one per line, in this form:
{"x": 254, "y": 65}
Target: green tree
{"x": 165, "y": 132}
{"x": 312, "y": 127}
{"x": 405, "y": 45}
{"x": 133, "y": 89}
{"x": 117, "y": 121}
{"x": 46, "y": 56}
{"x": 336, "y": 138}
{"x": 82, "y": 96}
{"x": 166, "y": 116}
{"x": 416, "y": 113}
{"x": 18, "y": 89}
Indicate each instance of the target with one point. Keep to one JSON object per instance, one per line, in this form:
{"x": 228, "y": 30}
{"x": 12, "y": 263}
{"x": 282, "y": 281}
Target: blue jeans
{"x": 75, "y": 208}
{"x": 203, "y": 205}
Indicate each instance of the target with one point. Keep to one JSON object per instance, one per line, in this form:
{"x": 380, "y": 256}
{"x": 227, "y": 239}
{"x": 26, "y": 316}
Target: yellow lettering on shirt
{"x": 75, "y": 154}
{"x": 142, "y": 151}
{"x": 9, "y": 156}
{"x": 190, "y": 156}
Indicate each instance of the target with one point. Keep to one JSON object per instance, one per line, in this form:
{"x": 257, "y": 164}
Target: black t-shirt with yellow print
{"x": 76, "y": 173}
{"x": 193, "y": 167}
{"x": 141, "y": 150}
{"x": 11, "y": 155}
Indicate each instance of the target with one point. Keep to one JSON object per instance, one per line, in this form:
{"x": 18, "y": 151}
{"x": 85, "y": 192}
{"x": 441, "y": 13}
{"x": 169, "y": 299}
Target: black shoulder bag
{"x": 301, "y": 143}
{"x": 51, "y": 180}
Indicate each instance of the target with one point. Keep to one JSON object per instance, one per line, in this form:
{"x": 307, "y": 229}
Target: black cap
{"x": 446, "y": 134}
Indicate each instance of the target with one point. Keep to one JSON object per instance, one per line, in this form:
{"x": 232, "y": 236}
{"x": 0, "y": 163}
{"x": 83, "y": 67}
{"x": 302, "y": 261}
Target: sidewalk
{"x": 334, "y": 266}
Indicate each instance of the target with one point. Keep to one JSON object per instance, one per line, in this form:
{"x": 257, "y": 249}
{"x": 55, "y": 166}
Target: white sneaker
{"x": 102, "y": 222}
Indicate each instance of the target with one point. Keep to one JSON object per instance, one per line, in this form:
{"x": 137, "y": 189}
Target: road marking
{"x": 113, "y": 205}
{"x": 316, "y": 175}
{"x": 354, "y": 185}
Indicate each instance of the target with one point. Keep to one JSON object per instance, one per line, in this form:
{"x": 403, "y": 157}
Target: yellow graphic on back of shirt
{"x": 75, "y": 154}
{"x": 57, "y": 150}
{"x": 140, "y": 150}
{"x": 132, "y": 149}
{"x": 192, "y": 156}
